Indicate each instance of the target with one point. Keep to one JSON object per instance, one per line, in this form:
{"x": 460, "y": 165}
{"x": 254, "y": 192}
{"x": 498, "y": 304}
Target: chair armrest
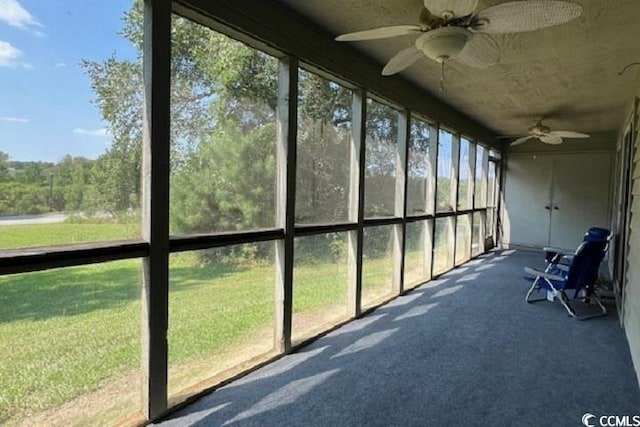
{"x": 553, "y": 255}
{"x": 533, "y": 272}
{"x": 552, "y": 249}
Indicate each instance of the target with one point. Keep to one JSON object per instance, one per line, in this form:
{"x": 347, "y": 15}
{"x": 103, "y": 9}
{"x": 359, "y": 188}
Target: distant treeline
{"x": 35, "y": 187}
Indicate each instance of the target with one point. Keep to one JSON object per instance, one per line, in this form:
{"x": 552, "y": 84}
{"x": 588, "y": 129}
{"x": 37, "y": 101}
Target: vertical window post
{"x": 400, "y": 205}
{"x": 455, "y": 170}
{"x": 485, "y": 171}
{"x": 455, "y": 182}
{"x": 431, "y": 199}
{"x": 285, "y": 204}
{"x": 356, "y": 201}
{"x": 155, "y": 204}
{"x": 433, "y": 179}
{"x": 433, "y": 167}
{"x": 483, "y": 197}
{"x": 472, "y": 189}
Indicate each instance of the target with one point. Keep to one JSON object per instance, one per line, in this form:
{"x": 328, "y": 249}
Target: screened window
{"x": 221, "y": 311}
{"x": 417, "y": 259}
{"x": 69, "y": 152}
{"x": 475, "y": 234}
{"x": 480, "y": 199}
{"x": 70, "y": 173}
{"x": 492, "y": 198}
{"x": 419, "y": 193}
{"x": 491, "y": 185}
{"x": 445, "y": 201}
{"x": 463, "y": 238}
{"x": 70, "y": 334}
{"x": 324, "y": 133}
{"x": 319, "y": 284}
{"x": 381, "y": 160}
{"x": 443, "y": 255}
{"x": 377, "y": 264}
{"x": 465, "y": 175}
{"x": 223, "y": 133}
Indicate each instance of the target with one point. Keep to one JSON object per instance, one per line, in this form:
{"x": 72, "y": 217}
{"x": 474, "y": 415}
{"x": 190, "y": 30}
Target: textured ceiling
{"x": 567, "y": 74}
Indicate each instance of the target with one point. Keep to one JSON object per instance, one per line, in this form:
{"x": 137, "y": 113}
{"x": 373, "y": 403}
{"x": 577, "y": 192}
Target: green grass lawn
{"x": 71, "y": 332}
{"x": 26, "y": 236}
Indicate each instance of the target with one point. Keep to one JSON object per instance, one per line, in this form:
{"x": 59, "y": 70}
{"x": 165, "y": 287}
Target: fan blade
{"x": 380, "y": 33}
{"x": 521, "y": 140}
{"x": 568, "y": 134}
{"x": 520, "y": 16}
{"x": 402, "y": 60}
{"x": 481, "y": 51}
{"x": 457, "y": 7}
{"x": 429, "y": 20}
{"x": 551, "y": 139}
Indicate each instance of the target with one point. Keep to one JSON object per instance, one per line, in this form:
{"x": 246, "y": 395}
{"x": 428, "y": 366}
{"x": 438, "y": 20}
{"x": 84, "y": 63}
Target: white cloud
{"x": 15, "y": 15}
{"x": 103, "y": 132}
{"x": 10, "y": 55}
{"x": 14, "y": 119}
{"x": 60, "y": 65}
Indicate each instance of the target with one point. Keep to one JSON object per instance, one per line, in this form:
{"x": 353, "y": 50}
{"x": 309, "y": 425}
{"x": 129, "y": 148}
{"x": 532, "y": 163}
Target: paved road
{"x": 50, "y": 218}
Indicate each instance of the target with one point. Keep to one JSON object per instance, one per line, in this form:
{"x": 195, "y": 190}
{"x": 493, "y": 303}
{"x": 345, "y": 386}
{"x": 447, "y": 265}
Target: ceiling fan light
{"x": 443, "y": 43}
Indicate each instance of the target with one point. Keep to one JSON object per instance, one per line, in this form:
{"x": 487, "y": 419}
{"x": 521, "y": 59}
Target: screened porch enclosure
{"x": 278, "y": 201}
{"x": 273, "y": 188}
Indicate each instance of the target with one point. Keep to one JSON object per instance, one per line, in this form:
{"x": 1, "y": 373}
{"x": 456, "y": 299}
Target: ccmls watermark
{"x": 591, "y": 420}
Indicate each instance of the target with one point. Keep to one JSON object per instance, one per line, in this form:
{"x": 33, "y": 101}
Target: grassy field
{"x": 25, "y": 236}
{"x": 71, "y": 337}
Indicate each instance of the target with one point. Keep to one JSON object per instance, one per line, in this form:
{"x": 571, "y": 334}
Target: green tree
{"x": 19, "y": 198}
{"x": 223, "y": 116}
{"x": 4, "y": 166}
{"x": 227, "y": 184}
{"x": 71, "y": 177}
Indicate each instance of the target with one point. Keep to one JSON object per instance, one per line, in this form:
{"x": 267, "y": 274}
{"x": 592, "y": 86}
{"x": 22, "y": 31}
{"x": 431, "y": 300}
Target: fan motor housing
{"x": 539, "y": 129}
{"x": 443, "y": 43}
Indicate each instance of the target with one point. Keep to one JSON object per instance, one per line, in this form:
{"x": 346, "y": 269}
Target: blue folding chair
{"x": 559, "y": 256}
{"x": 577, "y": 272}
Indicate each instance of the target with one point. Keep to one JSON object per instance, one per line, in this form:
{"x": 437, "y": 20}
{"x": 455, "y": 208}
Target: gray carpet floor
{"x": 462, "y": 350}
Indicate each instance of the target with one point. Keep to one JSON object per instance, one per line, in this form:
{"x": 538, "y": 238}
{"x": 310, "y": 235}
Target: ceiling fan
{"x": 546, "y": 135}
{"x": 452, "y": 29}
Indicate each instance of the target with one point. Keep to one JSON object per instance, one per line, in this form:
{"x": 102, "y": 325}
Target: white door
{"x": 526, "y": 217}
{"x": 580, "y": 196}
{"x": 552, "y": 200}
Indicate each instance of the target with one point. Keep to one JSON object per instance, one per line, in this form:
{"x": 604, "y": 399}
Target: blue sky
{"x": 45, "y": 96}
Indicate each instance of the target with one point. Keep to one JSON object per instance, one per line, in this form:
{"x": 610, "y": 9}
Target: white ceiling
{"x": 567, "y": 74}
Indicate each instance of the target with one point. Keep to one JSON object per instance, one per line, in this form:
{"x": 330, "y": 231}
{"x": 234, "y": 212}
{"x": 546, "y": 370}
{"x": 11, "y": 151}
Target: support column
{"x": 155, "y": 204}
{"x": 285, "y": 204}
{"x": 400, "y": 205}
{"x": 356, "y": 201}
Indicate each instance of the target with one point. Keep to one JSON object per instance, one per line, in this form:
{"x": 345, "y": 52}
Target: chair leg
{"x": 603, "y": 309}
{"x": 564, "y": 300}
{"x": 533, "y": 287}
{"x": 550, "y": 294}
